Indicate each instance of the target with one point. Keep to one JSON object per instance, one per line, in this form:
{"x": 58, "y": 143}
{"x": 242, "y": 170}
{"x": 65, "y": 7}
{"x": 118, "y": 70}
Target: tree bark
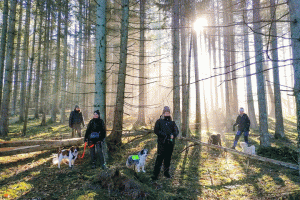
{"x": 3, "y": 45}
{"x": 28, "y": 95}
{"x": 176, "y": 73}
{"x": 4, "y": 121}
{"x": 56, "y": 91}
{"x": 250, "y": 101}
{"x": 38, "y": 67}
{"x": 197, "y": 85}
{"x": 79, "y": 62}
{"x": 294, "y": 8}
{"x": 183, "y": 35}
{"x": 65, "y": 64}
{"x": 279, "y": 128}
{"x": 142, "y": 85}
{"x": 100, "y": 69}
{"x": 115, "y": 138}
{"x": 17, "y": 60}
{"x": 261, "y": 92}
{"x": 226, "y": 45}
{"x": 24, "y": 64}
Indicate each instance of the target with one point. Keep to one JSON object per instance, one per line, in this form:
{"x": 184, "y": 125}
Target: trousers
{"x": 164, "y": 154}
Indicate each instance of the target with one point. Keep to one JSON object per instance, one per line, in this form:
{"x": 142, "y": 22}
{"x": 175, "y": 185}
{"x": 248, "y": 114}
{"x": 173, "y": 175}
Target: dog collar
{"x": 135, "y": 157}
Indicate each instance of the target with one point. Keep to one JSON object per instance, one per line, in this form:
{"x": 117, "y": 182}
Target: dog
{"x": 138, "y": 161}
{"x": 215, "y": 139}
{"x": 70, "y": 154}
{"x": 246, "y": 149}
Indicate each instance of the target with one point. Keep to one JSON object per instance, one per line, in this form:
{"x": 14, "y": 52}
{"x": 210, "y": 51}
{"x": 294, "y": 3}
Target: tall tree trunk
{"x": 65, "y": 64}
{"x": 234, "y": 100}
{"x": 28, "y": 95}
{"x": 3, "y": 45}
{"x": 279, "y": 128}
{"x": 17, "y": 60}
{"x": 24, "y": 64}
{"x": 294, "y": 8}
{"x": 45, "y": 72}
{"x": 115, "y": 137}
{"x": 4, "y": 121}
{"x": 100, "y": 69}
{"x": 176, "y": 74}
{"x": 57, "y": 68}
{"x": 183, "y": 69}
{"x": 79, "y": 62}
{"x": 262, "y": 103}
{"x": 198, "y": 105}
{"x": 38, "y": 67}
{"x": 142, "y": 85}
{"x": 250, "y": 101}
{"x": 226, "y": 43}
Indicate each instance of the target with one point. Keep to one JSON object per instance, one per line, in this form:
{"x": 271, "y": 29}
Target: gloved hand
{"x": 85, "y": 140}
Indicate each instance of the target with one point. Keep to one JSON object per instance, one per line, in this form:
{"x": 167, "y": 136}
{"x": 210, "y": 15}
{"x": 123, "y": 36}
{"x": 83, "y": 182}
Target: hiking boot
{"x": 233, "y": 147}
{"x": 167, "y": 175}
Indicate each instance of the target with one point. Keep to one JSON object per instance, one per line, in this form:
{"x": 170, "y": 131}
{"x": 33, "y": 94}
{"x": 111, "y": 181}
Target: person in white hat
{"x": 243, "y": 123}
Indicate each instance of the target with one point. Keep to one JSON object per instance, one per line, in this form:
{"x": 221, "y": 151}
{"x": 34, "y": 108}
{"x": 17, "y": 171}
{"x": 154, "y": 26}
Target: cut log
{"x": 34, "y": 142}
{"x": 255, "y": 157}
{"x": 54, "y": 144}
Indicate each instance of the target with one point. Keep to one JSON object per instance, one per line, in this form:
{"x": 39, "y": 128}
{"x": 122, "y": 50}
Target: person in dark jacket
{"x": 95, "y": 135}
{"x": 243, "y": 123}
{"x": 75, "y": 121}
{"x": 166, "y": 131}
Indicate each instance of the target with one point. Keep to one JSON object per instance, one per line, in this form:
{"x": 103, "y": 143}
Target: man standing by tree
{"x": 243, "y": 123}
{"x": 75, "y": 121}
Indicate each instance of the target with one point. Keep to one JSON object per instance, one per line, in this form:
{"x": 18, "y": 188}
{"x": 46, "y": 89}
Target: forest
{"x": 129, "y": 59}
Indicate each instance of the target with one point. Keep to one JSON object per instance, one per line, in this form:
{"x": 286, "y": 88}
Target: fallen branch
{"x": 255, "y": 157}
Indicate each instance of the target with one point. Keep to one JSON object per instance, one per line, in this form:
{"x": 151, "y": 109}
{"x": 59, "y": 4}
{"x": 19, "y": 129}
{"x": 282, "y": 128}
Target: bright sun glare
{"x": 199, "y": 24}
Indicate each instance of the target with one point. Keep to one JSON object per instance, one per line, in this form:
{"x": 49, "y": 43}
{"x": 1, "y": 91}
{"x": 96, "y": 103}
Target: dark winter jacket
{"x": 95, "y": 125}
{"x": 243, "y": 122}
{"x": 76, "y": 118}
{"x": 164, "y": 128}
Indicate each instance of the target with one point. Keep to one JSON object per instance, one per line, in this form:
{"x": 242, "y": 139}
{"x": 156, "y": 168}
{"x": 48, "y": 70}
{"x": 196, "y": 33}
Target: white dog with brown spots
{"x": 70, "y": 154}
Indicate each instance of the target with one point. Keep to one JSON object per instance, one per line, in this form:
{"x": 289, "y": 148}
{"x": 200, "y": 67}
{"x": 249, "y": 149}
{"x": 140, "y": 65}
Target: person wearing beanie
{"x": 95, "y": 135}
{"x": 243, "y": 123}
{"x": 166, "y": 131}
{"x": 75, "y": 121}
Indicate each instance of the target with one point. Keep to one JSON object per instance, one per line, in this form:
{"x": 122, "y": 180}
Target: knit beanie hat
{"x": 76, "y": 106}
{"x": 98, "y": 112}
{"x": 166, "y": 109}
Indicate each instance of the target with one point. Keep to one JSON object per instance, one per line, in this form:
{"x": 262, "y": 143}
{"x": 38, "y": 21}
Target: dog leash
{"x": 84, "y": 150}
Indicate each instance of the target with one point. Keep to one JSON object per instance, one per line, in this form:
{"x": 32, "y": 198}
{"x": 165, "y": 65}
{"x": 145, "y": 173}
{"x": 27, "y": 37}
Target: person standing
{"x": 243, "y": 123}
{"x": 166, "y": 131}
{"x": 75, "y": 121}
{"x": 94, "y": 136}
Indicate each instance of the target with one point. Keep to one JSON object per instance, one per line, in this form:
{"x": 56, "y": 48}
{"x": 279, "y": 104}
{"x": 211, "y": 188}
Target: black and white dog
{"x": 70, "y": 154}
{"x": 138, "y": 161}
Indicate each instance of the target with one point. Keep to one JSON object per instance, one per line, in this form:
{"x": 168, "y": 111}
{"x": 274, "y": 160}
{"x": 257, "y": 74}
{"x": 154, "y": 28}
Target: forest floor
{"x": 197, "y": 172}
